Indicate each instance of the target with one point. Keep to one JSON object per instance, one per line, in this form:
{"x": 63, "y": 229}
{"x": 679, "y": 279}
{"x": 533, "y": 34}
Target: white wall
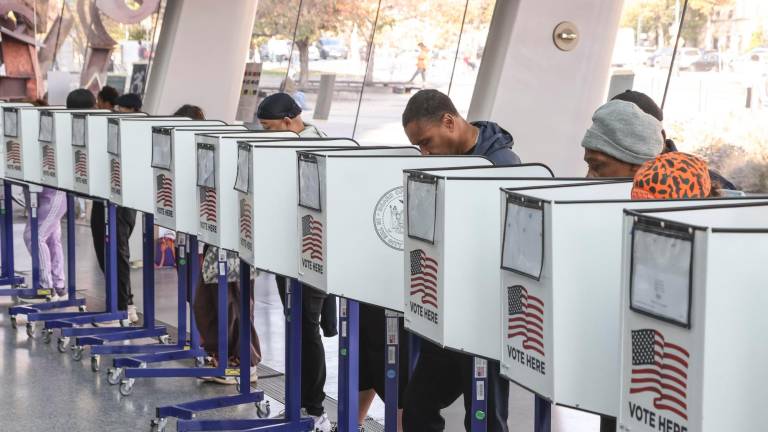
{"x": 201, "y": 56}
{"x": 543, "y": 96}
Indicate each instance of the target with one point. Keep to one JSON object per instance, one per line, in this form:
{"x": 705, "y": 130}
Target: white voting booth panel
{"x": 89, "y": 152}
{"x": 2, "y": 120}
{"x": 561, "y": 266}
{"x": 452, "y": 254}
{"x": 55, "y": 140}
{"x": 22, "y": 151}
{"x": 129, "y": 144}
{"x": 217, "y": 205}
{"x": 266, "y": 184}
{"x": 694, "y": 304}
{"x": 174, "y": 182}
{"x": 351, "y": 220}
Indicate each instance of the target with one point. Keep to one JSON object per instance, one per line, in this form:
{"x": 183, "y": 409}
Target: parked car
{"x": 708, "y": 61}
{"x": 278, "y": 50}
{"x": 683, "y": 60}
{"x": 332, "y": 48}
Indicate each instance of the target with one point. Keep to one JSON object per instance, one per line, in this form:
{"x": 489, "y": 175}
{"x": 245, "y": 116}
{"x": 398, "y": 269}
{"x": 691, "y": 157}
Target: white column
{"x": 200, "y": 57}
{"x": 543, "y": 96}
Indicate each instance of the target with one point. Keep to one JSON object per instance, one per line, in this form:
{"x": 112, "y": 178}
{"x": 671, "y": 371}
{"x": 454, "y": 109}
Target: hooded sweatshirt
{"x": 494, "y": 143}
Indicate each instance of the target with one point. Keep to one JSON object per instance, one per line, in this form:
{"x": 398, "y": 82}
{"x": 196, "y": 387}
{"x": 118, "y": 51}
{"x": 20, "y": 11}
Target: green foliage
{"x": 137, "y": 32}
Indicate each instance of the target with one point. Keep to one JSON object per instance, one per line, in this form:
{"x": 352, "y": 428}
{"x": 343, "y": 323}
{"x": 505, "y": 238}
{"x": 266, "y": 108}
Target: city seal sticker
{"x": 388, "y": 218}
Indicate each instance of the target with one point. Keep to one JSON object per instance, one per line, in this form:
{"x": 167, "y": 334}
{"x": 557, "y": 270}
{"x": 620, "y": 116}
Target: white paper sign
{"x": 243, "y": 169}
{"x": 309, "y": 184}
{"x": 78, "y": 131}
{"x": 112, "y": 138}
{"x": 661, "y": 268}
{"x": 46, "y": 127}
{"x": 161, "y": 150}
{"x": 523, "y": 239}
{"x": 205, "y": 168}
{"x": 10, "y": 123}
{"x": 422, "y": 196}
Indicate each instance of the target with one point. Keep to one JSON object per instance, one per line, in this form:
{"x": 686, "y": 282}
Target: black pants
{"x": 126, "y": 220}
{"x": 373, "y": 345}
{"x": 440, "y": 377}
{"x": 312, "y": 350}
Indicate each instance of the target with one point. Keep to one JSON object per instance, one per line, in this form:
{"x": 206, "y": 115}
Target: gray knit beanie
{"x": 622, "y": 130}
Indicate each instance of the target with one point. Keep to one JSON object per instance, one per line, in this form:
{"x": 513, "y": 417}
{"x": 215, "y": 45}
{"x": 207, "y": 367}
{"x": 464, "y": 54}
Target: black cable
{"x": 367, "y": 65}
{"x": 674, "y": 54}
{"x": 151, "y": 50}
{"x": 458, "y": 47}
{"x": 290, "y": 52}
{"x": 58, "y": 33}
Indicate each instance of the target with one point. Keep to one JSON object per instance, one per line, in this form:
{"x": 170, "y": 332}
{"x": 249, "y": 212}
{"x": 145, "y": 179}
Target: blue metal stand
{"x": 293, "y": 422}
{"x": 32, "y": 311}
{"x": 34, "y": 289}
{"x": 349, "y": 365}
{"x": 188, "y": 270}
{"x": 479, "y": 421}
{"x": 391, "y": 371}
{"x": 542, "y": 415}
{"x": 7, "y": 271}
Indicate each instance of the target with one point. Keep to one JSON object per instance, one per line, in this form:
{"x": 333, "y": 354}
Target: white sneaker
{"x": 133, "y": 316}
{"x": 60, "y": 297}
{"x": 322, "y": 423}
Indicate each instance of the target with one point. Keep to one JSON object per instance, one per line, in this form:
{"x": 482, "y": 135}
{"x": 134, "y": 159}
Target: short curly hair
{"x": 428, "y": 105}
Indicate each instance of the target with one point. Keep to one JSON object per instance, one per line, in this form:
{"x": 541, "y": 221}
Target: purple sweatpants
{"x": 52, "y": 206}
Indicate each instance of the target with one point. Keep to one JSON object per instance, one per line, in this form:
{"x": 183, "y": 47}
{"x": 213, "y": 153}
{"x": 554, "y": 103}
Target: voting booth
{"x": 55, "y": 140}
{"x": 173, "y": 177}
{"x": 694, "y": 304}
{"x": 452, "y": 254}
{"x": 266, "y": 186}
{"x": 129, "y": 144}
{"x": 3, "y": 105}
{"x": 351, "y": 219}
{"x": 218, "y": 212}
{"x": 22, "y": 152}
{"x": 89, "y": 152}
{"x": 560, "y": 269}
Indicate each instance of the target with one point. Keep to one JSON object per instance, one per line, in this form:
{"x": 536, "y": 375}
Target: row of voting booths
{"x": 647, "y": 313}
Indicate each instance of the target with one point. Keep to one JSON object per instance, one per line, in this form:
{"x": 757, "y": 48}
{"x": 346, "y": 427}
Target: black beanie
{"x": 129, "y": 100}
{"x": 643, "y": 101}
{"x": 278, "y": 106}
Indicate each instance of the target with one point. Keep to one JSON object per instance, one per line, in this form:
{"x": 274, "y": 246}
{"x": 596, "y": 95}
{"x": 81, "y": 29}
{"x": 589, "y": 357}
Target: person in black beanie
{"x": 128, "y": 103}
{"x": 646, "y": 103}
{"x": 280, "y": 112}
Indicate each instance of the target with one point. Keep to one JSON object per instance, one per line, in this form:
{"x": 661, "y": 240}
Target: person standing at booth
{"x": 126, "y": 221}
{"x": 432, "y": 123}
{"x": 280, "y": 112}
{"x": 106, "y": 98}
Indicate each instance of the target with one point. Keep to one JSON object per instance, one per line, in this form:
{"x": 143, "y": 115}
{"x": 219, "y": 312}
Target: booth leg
{"x": 194, "y": 280}
{"x": 414, "y": 350}
{"x": 71, "y": 277}
{"x": 391, "y": 371}
{"x": 245, "y": 327}
{"x": 349, "y": 358}
{"x": 8, "y": 276}
{"x": 34, "y": 243}
{"x": 542, "y": 417}
{"x": 182, "y": 285}
{"x": 479, "y": 422}
{"x": 293, "y": 302}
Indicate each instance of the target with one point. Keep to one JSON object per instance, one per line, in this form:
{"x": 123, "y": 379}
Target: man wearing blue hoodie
{"x": 432, "y": 123}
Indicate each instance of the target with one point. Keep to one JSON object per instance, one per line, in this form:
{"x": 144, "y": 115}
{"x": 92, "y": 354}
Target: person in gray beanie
{"x": 622, "y": 137}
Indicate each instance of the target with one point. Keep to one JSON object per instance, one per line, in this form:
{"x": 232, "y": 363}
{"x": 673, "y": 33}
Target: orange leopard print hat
{"x": 673, "y": 175}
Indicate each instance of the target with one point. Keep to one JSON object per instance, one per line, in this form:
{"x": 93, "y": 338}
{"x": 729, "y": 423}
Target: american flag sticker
{"x": 660, "y": 367}
{"x": 424, "y": 277}
{"x": 208, "y": 204}
{"x": 246, "y": 216}
{"x": 49, "y": 159}
{"x": 526, "y": 318}
{"x": 115, "y": 175}
{"x": 81, "y": 166}
{"x": 164, "y": 185}
{"x": 13, "y": 152}
{"x": 312, "y": 237}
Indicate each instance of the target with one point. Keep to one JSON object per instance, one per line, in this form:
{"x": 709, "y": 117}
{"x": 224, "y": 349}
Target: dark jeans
{"x": 441, "y": 376}
{"x": 126, "y": 220}
{"x": 373, "y": 346}
{"x": 312, "y": 350}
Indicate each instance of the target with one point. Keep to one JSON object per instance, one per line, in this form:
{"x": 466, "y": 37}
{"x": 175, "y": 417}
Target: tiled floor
{"x": 41, "y": 389}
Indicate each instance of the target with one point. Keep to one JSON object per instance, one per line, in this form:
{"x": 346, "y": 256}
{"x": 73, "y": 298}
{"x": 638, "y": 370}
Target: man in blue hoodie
{"x": 432, "y": 123}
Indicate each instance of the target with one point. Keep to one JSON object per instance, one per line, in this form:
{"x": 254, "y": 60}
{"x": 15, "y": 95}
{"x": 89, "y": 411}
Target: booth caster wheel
{"x": 47, "y": 335}
{"x": 158, "y": 424}
{"x": 114, "y": 375}
{"x": 82, "y": 308}
{"x": 95, "y": 362}
{"x": 263, "y": 410}
{"x": 14, "y": 324}
{"x": 164, "y": 339}
{"x": 31, "y": 328}
{"x": 77, "y": 353}
{"x": 126, "y": 386}
{"x": 62, "y": 344}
